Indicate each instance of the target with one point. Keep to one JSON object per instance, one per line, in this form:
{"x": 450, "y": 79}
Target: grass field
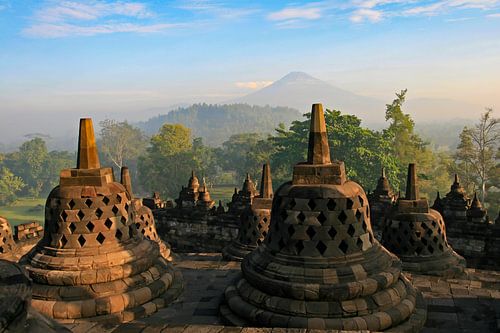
{"x": 24, "y": 210}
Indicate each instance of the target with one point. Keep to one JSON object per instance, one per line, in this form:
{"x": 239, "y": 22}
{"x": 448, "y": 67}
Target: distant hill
{"x": 216, "y": 123}
{"x": 300, "y": 90}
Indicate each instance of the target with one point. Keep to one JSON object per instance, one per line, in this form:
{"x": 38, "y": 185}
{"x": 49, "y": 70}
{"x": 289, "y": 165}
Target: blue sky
{"x": 62, "y": 56}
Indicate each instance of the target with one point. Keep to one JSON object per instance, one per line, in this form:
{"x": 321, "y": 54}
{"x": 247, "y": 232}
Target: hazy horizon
{"x": 61, "y": 60}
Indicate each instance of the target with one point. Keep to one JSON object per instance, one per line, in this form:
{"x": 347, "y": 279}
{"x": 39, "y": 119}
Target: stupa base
{"x": 448, "y": 265}
{"x": 236, "y": 251}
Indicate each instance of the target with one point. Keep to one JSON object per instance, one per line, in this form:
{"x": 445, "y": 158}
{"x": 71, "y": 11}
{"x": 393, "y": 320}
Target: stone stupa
{"x": 92, "y": 263}
{"x": 254, "y": 221}
{"x": 7, "y": 244}
{"x": 143, "y": 217}
{"x": 320, "y": 266}
{"x": 381, "y": 200}
{"x": 417, "y": 234}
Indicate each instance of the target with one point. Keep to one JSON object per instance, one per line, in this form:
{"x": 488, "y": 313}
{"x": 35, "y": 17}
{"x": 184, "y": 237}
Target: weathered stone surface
{"x": 417, "y": 234}
{"x": 381, "y": 201}
{"x": 320, "y": 252}
{"x": 7, "y": 244}
{"x": 254, "y": 221}
{"x": 92, "y": 262}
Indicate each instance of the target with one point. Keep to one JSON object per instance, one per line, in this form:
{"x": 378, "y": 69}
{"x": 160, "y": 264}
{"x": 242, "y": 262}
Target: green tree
{"x": 168, "y": 161}
{"x": 121, "y": 142}
{"x": 478, "y": 152}
{"x": 364, "y": 151}
{"x": 10, "y": 185}
{"x": 30, "y": 164}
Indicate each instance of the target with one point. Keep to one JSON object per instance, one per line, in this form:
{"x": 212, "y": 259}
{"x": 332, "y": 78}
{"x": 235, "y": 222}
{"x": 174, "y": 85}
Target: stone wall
{"x": 195, "y": 231}
{"x": 479, "y": 243}
{"x": 27, "y": 231}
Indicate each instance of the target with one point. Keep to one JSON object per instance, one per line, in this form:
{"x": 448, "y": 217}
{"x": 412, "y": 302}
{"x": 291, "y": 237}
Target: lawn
{"x": 24, "y": 210}
{"x": 223, "y": 193}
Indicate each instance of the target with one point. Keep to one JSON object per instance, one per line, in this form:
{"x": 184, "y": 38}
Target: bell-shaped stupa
{"x": 476, "y": 212}
{"x": 417, "y": 234}
{"x": 92, "y": 263}
{"x": 7, "y": 244}
{"x": 254, "y": 221}
{"x": 381, "y": 200}
{"x": 143, "y": 217}
{"x": 320, "y": 266}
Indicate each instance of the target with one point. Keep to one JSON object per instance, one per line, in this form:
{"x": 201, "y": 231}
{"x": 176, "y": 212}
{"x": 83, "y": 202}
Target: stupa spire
{"x": 475, "y": 202}
{"x": 126, "y": 181}
{"x": 266, "y": 184}
{"x": 411, "y": 183}
{"x": 318, "y": 150}
{"x": 87, "y": 148}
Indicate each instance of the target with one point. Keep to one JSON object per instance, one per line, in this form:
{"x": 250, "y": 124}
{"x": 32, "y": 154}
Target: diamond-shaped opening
{"x": 358, "y": 215}
{"x": 130, "y": 231}
{"x": 343, "y": 246}
{"x": 349, "y": 203}
{"x": 311, "y": 232}
{"x": 424, "y": 226}
{"x": 359, "y": 243}
{"x": 64, "y": 215}
{"x": 98, "y": 213}
{"x": 410, "y": 225}
{"x": 331, "y": 204}
{"x": 435, "y": 239}
{"x": 106, "y": 200}
{"x": 143, "y": 231}
{"x": 119, "y": 198}
{"x": 342, "y": 217}
{"x": 81, "y": 240}
{"x": 311, "y": 204}
{"x": 301, "y": 217}
{"x": 429, "y": 232}
{"x": 299, "y": 246}
{"x": 265, "y": 219}
{"x": 148, "y": 237}
{"x": 439, "y": 231}
{"x": 361, "y": 201}
{"x": 147, "y": 222}
{"x": 63, "y": 241}
{"x": 351, "y": 230}
{"x": 418, "y": 234}
{"x": 321, "y": 218}
{"x": 441, "y": 247}
{"x": 71, "y": 204}
{"x": 264, "y": 233}
{"x": 283, "y": 215}
{"x": 100, "y": 238}
{"x": 123, "y": 219}
{"x": 430, "y": 249}
{"x": 259, "y": 241}
{"x": 419, "y": 250}
{"x": 88, "y": 202}
{"x": 259, "y": 226}
{"x": 332, "y": 232}
{"x": 90, "y": 226}
{"x": 118, "y": 234}
{"x": 138, "y": 225}
{"x": 405, "y": 232}
{"x": 254, "y": 233}
{"x": 81, "y": 215}
{"x": 364, "y": 226}
{"x": 108, "y": 223}
{"x": 291, "y": 230}
{"x": 434, "y": 224}
{"x": 424, "y": 241}
{"x": 321, "y": 247}
{"x": 115, "y": 210}
{"x": 1, "y": 249}
{"x": 126, "y": 207}
{"x": 292, "y": 203}
{"x": 72, "y": 227}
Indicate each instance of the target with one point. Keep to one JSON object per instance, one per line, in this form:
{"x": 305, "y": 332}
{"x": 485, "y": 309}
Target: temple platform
{"x": 470, "y": 304}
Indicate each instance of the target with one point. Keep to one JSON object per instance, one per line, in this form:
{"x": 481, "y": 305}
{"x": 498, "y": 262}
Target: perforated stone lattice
{"x": 255, "y": 227}
{"x": 321, "y": 227}
{"x": 415, "y": 238}
{"x": 88, "y": 222}
{"x": 7, "y": 244}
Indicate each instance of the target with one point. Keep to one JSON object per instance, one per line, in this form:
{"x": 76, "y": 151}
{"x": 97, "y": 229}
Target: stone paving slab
{"x": 471, "y": 304}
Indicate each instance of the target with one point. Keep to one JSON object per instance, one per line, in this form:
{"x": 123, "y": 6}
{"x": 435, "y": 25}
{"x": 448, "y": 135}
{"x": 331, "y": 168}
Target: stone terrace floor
{"x": 454, "y": 305}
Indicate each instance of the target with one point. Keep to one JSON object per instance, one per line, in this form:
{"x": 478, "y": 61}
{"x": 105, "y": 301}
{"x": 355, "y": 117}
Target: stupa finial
{"x": 126, "y": 181}
{"x": 87, "y": 148}
{"x": 266, "y": 184}
{"x": 318, "y": 150}
{"x": 411, "y": 183}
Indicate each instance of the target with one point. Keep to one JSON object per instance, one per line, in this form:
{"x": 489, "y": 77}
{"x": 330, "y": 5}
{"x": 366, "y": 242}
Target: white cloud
{"x": 495, "y": 15}
{"x": 253, "y": 84}
{"x": 215, "y": 9}
{"x": 446, "y": 5}
{"x": 290, "y": 13}
{"x": 364, "y": 14}
{"x": 91, "y": 10}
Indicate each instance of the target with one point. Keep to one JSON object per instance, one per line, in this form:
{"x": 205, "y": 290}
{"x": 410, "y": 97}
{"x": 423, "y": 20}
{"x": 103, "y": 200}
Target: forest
{"x": 163, "y": 160}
